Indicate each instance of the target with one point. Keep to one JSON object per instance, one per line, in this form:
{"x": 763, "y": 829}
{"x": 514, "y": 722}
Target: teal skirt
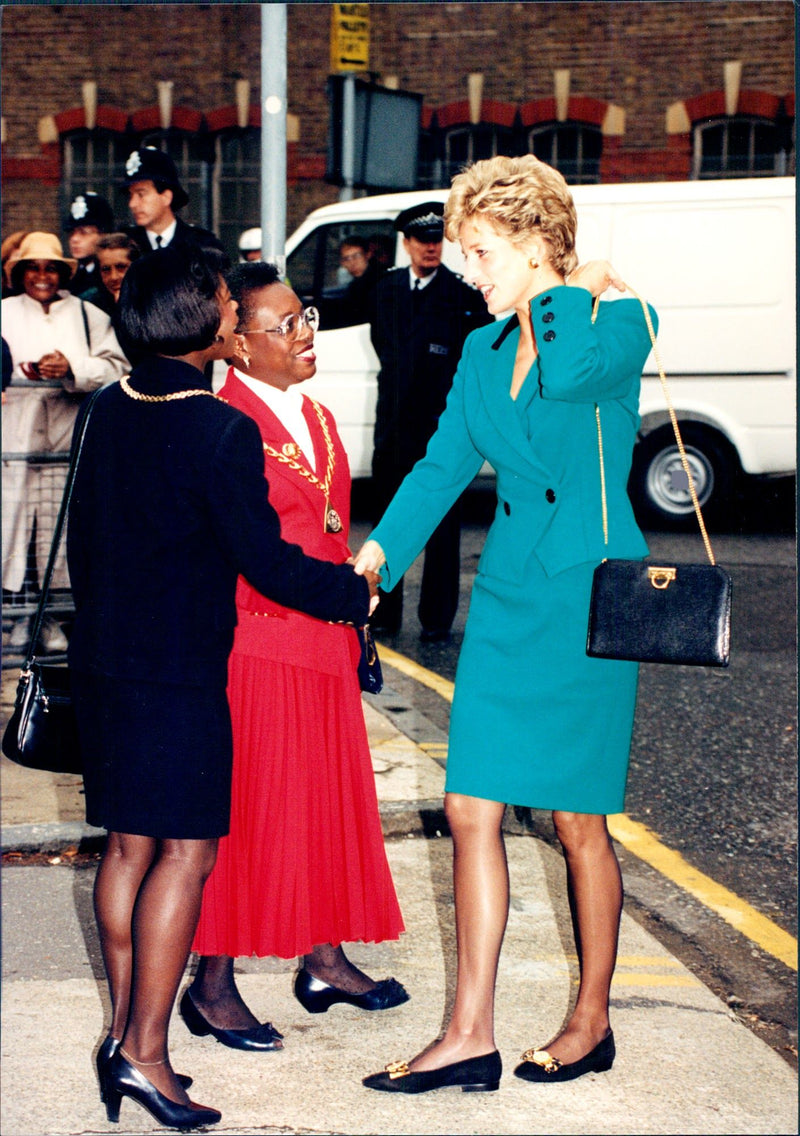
{"x": 535, "y": 721}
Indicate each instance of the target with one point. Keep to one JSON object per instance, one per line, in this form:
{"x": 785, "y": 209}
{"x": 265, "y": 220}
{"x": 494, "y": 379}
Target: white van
{"x": 717, "y": 261}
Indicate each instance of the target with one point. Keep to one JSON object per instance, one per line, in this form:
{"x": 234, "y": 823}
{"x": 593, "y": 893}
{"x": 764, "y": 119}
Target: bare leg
{"x": 594, "y": 885}
{"x": 164, "y": 923}
{"x": 123, "y": 867}
{"x": 480, "y": 879}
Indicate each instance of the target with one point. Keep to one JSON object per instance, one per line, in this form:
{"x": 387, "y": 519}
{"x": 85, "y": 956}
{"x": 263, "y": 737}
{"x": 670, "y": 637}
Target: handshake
{"x": 368, "y": 563}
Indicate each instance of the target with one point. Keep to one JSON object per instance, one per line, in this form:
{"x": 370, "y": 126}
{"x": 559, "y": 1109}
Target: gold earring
{"x": 245, "y": 359}
{"x": 533, "y": 262}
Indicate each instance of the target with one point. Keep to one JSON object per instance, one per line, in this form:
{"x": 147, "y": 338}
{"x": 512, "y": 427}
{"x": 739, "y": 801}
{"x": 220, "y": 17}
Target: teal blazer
{"x": 548, "y": 472}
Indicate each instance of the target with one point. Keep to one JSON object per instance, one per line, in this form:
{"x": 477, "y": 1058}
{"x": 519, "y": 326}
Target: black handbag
{"x": 673, "y": 613}
{"x": 370, "y": 675}
{"x": 42, "y": 732}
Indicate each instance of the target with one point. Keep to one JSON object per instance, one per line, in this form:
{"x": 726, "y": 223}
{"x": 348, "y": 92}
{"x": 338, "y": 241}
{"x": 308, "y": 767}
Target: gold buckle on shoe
{"x": 397, "y": 1069}
{"x": 542, "y": 1058}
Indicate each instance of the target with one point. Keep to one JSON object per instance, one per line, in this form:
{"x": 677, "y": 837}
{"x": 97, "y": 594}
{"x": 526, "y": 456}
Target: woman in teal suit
{"x": 535, "y": 721}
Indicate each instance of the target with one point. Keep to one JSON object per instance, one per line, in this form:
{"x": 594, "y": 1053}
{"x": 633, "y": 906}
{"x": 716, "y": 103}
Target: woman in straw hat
{"x": 61, "y": 349}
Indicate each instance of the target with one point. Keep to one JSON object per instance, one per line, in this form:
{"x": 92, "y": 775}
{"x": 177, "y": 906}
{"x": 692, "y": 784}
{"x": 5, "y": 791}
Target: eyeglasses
{"x": 291, "y": 326}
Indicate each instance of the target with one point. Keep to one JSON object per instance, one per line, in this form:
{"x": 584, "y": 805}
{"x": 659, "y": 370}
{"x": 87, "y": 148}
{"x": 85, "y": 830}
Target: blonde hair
{"x": 520, "y": 197}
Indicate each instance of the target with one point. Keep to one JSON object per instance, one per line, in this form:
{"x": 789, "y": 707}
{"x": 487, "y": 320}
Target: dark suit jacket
{"x": 170, "y": 505}
{"x": 418, "y": 340}
{"x": 184, "y": 235}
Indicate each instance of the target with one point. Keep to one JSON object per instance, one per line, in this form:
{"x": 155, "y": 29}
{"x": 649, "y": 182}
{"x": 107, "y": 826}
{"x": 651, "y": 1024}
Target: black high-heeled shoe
{"x": 317, "y": 996}
{"x": 537, "y": 1064}
{"x": 106, "y": 1052}
{"x": 475, "y": 1075}
{"x": 123, "y": 1079}
{"x": 263, "y": 1037}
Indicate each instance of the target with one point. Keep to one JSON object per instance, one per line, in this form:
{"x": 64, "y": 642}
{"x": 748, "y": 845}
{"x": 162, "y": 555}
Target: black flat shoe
{"x": 124, "y": 1080}
{"x": 106, "y": 1052}
{"x": 317, "y": 996}
{"x": 475, "y": 1075}
{"x": 256, "y": 1038}
{"x": 537, "y": 1064}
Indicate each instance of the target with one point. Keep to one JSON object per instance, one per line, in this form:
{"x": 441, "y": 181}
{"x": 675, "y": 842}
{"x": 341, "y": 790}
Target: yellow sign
{"x": 349, "y": 37}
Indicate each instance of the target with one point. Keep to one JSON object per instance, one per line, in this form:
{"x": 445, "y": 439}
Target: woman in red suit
{"x": 304, "y": 868}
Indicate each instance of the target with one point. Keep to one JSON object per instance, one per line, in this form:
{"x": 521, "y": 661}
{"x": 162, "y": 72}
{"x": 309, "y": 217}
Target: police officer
{"x": 155, "y": 194}
{"x": 423, "y": 313}
{"x": 88, "y": 218}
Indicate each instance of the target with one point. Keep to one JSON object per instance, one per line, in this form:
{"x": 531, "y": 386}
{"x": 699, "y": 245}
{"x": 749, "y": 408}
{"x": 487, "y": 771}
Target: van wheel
{"x": 658, "y": 485}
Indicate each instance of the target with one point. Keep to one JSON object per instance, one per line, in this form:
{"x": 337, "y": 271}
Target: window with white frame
{"x": 463, "y": 145}
{"x": 236, "y": 185}
{"x": 573, "y": 148}
{"x": 740, "y": 146}
{"x": 94, "y": 160}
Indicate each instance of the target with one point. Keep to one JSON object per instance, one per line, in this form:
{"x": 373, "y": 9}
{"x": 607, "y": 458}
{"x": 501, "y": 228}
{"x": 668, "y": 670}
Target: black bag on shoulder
{"x": 42, "y": 732}
{"x": 675, "y": 613}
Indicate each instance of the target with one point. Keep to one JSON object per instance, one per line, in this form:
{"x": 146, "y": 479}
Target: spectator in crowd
{"x": 115, "y": 254}
{"x": 66, "y": 348}
{"x": 169, "y": 507}
{"x": 250, "y": 245}
{"x": 9, "y": 246}
{"x": 302, "y": 871}
{"x": 155, "y": 195}
{"x": 423, "y": 314}
{"x": 355, "y": 255}
{"x": 88, "y": 218}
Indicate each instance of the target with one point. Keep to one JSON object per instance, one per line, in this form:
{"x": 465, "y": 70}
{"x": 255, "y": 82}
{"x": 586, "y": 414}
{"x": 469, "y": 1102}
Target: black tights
{"x": 214, "y": 989}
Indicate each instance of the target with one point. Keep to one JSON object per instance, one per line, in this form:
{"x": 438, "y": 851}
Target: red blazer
{"x": 266, "y": 628}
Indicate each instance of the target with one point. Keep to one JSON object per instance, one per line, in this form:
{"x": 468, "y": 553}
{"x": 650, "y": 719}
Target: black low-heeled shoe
{"x": 123, "y": 1079}
{"x": 256, "y": 1038}
{"x": 106, "y": 1052}
{"x": 317, "y": 996}
{"x": 475, "y": 1075}
{"x": 537, "y": 1064}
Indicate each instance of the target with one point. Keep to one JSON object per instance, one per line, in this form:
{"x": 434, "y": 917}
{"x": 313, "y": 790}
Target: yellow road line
{"x": 641, "y": 842}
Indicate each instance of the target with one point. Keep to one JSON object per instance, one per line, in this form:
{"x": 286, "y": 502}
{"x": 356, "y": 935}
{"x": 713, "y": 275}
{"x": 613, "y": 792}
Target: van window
{"x": 316, "y": 274}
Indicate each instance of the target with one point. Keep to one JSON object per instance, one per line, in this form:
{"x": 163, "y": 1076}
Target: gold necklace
{"x": 139, "y": 397}
{"x": 288, "y": 456}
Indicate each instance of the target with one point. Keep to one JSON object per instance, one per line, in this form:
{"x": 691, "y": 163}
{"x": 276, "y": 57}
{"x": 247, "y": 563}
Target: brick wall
{"x": 641, "y": 56}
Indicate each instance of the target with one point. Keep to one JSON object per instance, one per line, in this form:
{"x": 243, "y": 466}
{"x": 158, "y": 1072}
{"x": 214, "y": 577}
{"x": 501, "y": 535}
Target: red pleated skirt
{"x": 304, "y": 862}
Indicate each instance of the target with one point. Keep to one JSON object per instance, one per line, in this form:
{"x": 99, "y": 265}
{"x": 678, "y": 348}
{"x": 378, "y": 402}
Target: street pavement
{"x": 685, "y": 1064}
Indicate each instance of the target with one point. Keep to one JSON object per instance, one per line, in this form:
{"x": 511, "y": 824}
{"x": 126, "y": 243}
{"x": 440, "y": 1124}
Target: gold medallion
{"x": 290, "y": 450}
{"x": 333, "y": 522}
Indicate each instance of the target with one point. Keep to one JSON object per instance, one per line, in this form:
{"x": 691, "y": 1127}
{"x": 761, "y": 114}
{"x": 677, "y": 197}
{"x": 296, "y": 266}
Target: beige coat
{"x": 40, "y": 420}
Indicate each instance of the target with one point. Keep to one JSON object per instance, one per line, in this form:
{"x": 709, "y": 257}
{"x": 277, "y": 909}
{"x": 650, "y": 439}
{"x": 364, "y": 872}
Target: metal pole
{"x": 348, "y": 137}
{"x": 273, "y": 135}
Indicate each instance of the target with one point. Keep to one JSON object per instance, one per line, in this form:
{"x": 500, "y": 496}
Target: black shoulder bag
{"x": 666, "y": 613}
{"x": 42, "y": 732}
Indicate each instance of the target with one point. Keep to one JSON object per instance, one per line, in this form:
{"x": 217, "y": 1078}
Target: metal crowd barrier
{"x": 42, "y": 485}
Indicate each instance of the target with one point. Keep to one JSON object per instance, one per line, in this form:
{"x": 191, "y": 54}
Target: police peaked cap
{"x": 89, "y": 208}
{"x": 425, "y": 221}
{"x": 149, "y": 164}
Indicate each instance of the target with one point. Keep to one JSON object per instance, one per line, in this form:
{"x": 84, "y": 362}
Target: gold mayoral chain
{"x": 288, "y": 455}
{"x": 139, "y": 397}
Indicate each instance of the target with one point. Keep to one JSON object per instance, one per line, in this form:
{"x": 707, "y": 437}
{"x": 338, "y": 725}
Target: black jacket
{"x": 184, "y": 235}
{"x": 170, "y": 505}
{"x": 418, "y": 340}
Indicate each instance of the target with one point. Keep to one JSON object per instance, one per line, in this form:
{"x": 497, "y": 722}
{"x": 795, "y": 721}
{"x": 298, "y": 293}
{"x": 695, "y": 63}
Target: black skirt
{"x": 157, "y": 758}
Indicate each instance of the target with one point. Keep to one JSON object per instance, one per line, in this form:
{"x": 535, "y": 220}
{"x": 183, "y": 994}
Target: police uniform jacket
{"x": 184, "y": 236}
{"x": 418, "y": 339}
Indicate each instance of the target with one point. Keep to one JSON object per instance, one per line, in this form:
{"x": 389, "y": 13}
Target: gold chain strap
{"x": 325, "y": 485}
{"x": 139, "y": 397}
{"x": 673, "y": 419}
